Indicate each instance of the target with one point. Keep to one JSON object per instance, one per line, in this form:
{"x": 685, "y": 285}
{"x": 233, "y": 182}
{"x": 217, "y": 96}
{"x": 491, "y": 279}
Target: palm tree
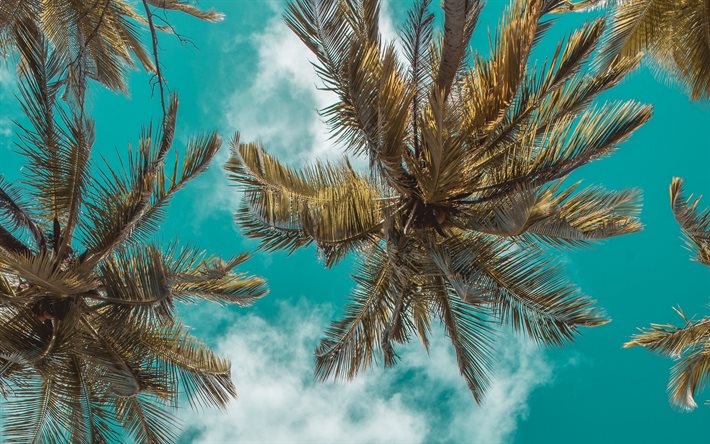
{"x": 674, "y": 33}
{"x": 690, "y": 343}
{"x": 89, "y": 339}
{"x": 98, "y": 39}
{"x": 467, "y": 159}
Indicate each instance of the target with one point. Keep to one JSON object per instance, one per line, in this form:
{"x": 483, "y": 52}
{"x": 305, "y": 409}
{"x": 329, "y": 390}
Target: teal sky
{"x": 250, "y": 74}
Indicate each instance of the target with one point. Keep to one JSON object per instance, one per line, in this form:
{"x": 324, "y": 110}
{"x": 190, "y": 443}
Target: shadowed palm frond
{"x": 351, "y": 343}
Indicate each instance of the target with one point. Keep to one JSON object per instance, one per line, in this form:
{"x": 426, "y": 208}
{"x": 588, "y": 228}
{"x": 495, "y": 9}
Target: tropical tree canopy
{"x": 89, "y": 339}
{"x": 674, "y": 33}
{"x": 97, "y": 39}
{"x": 465, "y": 192}
{"x": 688, "y": 344}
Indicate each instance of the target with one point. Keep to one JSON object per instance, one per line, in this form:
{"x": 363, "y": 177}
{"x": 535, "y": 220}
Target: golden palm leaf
{"x": 466, "y": 168}
{"x": 100, "y": 40}
{"x": 675, "y": 34}
{"x": 90, "y": 343}
{"x": 689, "y": 344}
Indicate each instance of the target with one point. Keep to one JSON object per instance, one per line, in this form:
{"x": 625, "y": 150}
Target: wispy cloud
{"x": 8, "y": 86}
{"x": 423, "y": 399}
{"x": 279, "y": 106}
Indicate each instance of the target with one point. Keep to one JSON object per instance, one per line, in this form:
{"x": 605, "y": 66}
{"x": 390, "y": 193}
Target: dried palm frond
{"x": 675, "y": 34}
{"x": 90, "y": 343}
{"x": 96, "y": 39}
{"x": 467, "y": 156}
{"x": 689, "y": 344}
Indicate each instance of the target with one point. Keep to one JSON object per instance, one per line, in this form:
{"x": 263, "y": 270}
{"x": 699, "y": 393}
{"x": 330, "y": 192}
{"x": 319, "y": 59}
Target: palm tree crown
{"x": 674, "y": 33}
{"x": 690, "y": 343}
{"x": 95, "y": 39}
{"x": 89, "y": 338}
{"x": 467, "y": 156}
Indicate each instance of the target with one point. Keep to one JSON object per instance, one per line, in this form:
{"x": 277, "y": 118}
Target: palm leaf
{"x": 330, "y": 205}
{"x": 694, "y": 222}
{"x": 351, "y": 343}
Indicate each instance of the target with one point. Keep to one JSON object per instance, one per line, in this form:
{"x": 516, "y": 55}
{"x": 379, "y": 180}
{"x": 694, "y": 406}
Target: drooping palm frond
{"x": 467, "y": 160}
{"x": 352, "y": 342}
{"x": 91, "y": 347}
{"x": 675, "y": 34}
{"x": 98, "y": 39}
{"x": 690, "y": 343}
{"x": 331, "y": 205}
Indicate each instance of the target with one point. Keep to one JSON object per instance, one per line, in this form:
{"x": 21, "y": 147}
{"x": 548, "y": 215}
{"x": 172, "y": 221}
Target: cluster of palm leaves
{"x": 468, "y": 156}
{"x": 90, "y": 343}
{"x": 674, "y": 33}
{"x": 96, "y": 39}
{"x": 690, "y": 343}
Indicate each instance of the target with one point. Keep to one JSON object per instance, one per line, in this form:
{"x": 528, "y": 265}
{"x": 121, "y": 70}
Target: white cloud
{"x": 8, "y": 87}
{"x": 7, "y": 78}
{"x": 423, "y": 399}
{"x": 279, "y": 107}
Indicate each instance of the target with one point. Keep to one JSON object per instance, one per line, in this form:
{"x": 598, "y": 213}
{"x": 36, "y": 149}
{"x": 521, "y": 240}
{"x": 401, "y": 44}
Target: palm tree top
{"x": 467, "y": 159}
{"x": 90, "y": 342}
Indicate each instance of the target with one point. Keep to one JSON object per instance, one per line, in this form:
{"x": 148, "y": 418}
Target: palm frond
{"x": 460, "y": 17}
{"x": 195, "y": 274}
{"x": 39, "y": 270}
{"x": 491, "y": 85}
{"x": 41, "y": 143}
{"x": 138, "y": 280}
{"x": 16, "y": 213}
{"x": 694, "y": 222}
{"x": 636, "y": 27}
{"x": 417, "y": 40}
{"x": 146, "y": 420}
{"x": 540, "y": 92}
{"x": 673, "y": 34}
{"x": 471, "y": 334}
{"x": 330, "y": 205}
{"x": 350, "y": 344}
{"x": 95, "y": 40}
{"x": 36, "y": 413}
{"x": 562, "y": 216}
{"x": 205, "y": 377}
{"x": 525, "y": 289}
{"x": 134, "y": 199}
{"x": 670, "y": 340}
{"x": 688, "y": 344}
{"x": 690, "y": 375}
{"x": 565, "y": 146}
{"x": 445, "y": 172}
{"x": 176, "y": 5}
